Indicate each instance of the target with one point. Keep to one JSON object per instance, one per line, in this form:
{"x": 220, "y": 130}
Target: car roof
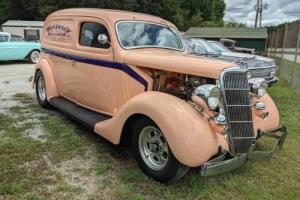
{"x": 111, "y": 15}
{"x": 213, "y": 41}
{"x": 16, "y": 36}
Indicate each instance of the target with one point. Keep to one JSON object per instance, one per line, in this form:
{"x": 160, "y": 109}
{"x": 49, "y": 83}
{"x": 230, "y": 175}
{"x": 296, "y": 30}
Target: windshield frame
{"x": 174, "y": 30}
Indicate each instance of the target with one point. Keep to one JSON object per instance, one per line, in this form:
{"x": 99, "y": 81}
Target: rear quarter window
{"x": 59, "y": 32}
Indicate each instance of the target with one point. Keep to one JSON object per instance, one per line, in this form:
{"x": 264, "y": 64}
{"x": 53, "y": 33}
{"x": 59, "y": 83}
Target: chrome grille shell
{"x": 262, "y": 72}
{"x": 237, "y": 105}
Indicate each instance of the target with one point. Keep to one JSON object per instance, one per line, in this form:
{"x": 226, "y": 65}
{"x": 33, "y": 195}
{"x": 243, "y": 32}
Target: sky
{"x": 279, "y": 11}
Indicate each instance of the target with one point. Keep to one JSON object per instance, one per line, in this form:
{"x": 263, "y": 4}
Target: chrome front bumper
{"x": 271, "y": 80}
{"x": 227, "y": 162}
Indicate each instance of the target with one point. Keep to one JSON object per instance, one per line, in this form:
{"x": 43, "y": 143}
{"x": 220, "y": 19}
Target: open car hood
{"x": 175, "y": 61}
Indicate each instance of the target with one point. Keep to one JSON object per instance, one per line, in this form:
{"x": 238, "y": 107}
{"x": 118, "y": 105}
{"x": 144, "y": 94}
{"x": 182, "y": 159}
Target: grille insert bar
{"x": 262, "y": 73}
{"x": 237, "y": 104}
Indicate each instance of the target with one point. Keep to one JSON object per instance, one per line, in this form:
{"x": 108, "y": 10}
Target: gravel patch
{"x": 14, "y": 78}
{"x": 36, "y": 133}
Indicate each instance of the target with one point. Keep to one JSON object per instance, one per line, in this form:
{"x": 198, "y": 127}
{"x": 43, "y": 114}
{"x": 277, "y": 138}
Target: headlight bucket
{"x": 258, "y": 86}
{"x": 211, "y": 94}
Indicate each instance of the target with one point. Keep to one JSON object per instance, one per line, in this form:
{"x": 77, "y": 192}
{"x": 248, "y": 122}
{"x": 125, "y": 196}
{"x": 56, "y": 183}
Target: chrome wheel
{"x": 153, "y": 148}
{"x": 41, "y": 88}
{"x": 35, "y": 56}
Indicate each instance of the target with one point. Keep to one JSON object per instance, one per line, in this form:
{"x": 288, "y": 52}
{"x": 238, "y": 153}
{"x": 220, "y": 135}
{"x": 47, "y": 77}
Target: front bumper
{"x": 223, "y": 164}
{"x": 271, "y": 80}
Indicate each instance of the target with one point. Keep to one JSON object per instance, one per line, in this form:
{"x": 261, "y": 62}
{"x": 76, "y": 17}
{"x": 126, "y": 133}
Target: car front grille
{"x": 262, "y": 73}
{"x": 237, "y": 106}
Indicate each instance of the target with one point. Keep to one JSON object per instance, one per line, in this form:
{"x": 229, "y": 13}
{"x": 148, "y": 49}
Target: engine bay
{"x": 179, "y": 85}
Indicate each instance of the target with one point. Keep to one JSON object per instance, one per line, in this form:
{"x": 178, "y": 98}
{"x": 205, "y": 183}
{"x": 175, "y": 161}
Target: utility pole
{"x": 260, "y": 12}
{"x": 259, "y": 7}
{"x": 256, "y": 8}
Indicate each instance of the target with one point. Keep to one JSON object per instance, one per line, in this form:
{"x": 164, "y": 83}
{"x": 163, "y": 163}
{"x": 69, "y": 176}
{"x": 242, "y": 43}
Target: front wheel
{"x": 153, "y": 153}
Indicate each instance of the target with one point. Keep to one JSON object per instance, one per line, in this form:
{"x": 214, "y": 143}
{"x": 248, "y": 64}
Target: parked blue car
{"x": 15, "y": 48}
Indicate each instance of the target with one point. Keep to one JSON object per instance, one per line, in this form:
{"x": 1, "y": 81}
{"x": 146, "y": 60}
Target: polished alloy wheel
{"x": 41, "y": 88}
{"x": 153, "y": 148}
{"x": 35, "y": 56}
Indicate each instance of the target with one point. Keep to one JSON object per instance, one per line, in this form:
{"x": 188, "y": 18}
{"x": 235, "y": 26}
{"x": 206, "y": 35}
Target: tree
{"x": 234, "y": 24}
{"x": 183, "y": 13}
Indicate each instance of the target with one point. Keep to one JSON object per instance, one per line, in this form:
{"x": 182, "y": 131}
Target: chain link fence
{"x": 283, "y": 45}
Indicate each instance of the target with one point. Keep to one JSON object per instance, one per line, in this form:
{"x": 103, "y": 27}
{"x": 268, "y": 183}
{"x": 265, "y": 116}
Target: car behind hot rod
{"x": 127, "y": 77}
{"x": 13, "y": 47}
{"x": 258, "y": 66}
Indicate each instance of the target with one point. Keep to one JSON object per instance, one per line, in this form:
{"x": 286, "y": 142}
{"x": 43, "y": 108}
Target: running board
{"x": 77, "y": 113}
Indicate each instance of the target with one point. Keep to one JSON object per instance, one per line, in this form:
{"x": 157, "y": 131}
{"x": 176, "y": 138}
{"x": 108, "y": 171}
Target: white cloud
{"x": 279, "y": 11}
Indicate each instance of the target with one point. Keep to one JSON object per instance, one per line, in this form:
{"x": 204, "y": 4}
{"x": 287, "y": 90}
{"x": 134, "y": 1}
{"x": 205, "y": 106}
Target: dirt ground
{"x": 14, "y": 78}
{"x": 15, "y": 81}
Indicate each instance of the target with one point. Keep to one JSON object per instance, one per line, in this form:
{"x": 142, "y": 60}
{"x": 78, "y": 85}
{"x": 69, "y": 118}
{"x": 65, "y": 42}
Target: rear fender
{"x": 190, "y": 136}
{"x": 51, "y": 87}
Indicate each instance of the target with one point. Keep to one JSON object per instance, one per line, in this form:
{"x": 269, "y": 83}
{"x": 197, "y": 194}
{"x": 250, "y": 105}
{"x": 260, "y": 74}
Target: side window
{"x": 16, "y": 39}
{"x": 228, "y": 44}
{"x": 89, "y": 35}
{"x": 3, "y": 38}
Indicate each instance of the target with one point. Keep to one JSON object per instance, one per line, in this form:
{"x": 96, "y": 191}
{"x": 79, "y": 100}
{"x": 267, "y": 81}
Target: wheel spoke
{"x": 153, "y": 148}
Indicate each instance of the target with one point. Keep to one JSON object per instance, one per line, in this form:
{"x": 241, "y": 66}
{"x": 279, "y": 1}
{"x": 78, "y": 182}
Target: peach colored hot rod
{"x": 127, "y": 77}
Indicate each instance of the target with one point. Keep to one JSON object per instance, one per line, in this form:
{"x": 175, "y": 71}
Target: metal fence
{"x": 283, "y": 44}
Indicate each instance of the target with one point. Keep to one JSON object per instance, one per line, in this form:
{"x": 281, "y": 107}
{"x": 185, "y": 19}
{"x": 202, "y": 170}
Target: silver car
{"x": 258, "y": 66}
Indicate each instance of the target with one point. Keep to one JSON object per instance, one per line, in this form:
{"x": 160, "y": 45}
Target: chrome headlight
{"x": 258, "y": 86}
{"x": 211, "y": 94}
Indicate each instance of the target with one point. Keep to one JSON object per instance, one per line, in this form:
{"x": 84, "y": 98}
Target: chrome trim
{"x": 260, "y": 72}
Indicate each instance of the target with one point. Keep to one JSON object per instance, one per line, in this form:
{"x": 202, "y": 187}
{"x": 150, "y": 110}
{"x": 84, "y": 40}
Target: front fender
{"x": 51, "y": 88}
{"x": 272, "y": 121}
{"x": 190, "y": 136}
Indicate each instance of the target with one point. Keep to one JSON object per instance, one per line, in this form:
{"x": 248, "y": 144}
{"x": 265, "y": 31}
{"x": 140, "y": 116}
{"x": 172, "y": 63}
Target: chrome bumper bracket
{"x": 218, "y": 166}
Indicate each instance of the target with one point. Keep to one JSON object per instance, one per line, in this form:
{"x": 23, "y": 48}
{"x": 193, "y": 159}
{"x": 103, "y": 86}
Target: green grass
{"x": 30, "y": 169}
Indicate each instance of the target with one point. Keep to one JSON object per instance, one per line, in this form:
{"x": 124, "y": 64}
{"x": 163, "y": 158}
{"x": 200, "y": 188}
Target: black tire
{"x": 173, "y": 170}
{"x": 32, "y": 56}
{"x": 43, "y": 102}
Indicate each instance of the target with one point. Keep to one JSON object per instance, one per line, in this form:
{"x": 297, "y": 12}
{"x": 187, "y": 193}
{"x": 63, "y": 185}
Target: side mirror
{"x": 103, "y": 39}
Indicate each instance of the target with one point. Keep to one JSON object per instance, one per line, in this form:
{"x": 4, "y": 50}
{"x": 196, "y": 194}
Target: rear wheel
{"x": 40, "y": 90}
{"x": 34, "y": 56}
{"x": 153, "y": 153}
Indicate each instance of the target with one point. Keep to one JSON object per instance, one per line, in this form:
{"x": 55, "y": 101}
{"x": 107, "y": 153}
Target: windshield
{"x": 147, "y": 35}
{"x": 219, "y": 47}
{"x": 199, "y": 46}
{"x": 4, "y": 38}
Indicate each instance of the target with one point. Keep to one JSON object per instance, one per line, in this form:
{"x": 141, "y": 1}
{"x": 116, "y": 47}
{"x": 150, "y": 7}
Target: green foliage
{"x": 183, "y": 13}
{"x": 234, "y": 24}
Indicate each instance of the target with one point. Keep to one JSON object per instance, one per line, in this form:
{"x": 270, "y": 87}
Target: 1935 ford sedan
{"x": 127, "y": 77}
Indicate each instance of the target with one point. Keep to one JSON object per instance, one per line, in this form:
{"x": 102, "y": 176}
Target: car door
{"x": 97, "y": 79}
{"x": 16, "y": 48}
{"x": 11, "y": 49}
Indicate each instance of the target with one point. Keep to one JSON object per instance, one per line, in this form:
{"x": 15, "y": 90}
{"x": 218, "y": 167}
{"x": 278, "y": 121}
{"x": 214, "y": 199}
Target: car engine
{"x": 179, "y": 85}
